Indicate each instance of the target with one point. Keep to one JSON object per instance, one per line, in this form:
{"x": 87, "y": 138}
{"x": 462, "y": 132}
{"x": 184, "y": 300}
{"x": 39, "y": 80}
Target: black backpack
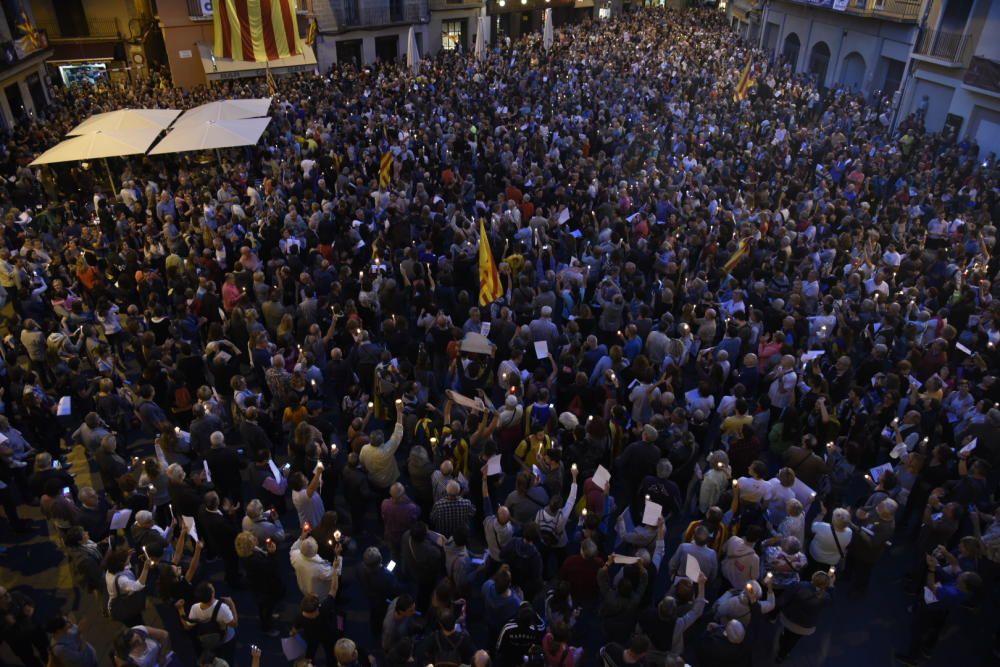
{"x": 125, "y": 607}
{"x": 209, "y": 633}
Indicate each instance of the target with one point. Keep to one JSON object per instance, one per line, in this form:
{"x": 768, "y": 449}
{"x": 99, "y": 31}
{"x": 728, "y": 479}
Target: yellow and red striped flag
{"x": 743, "y": 85}
{"x": 385, "y": 170}
{"x": 490, "y": 288}
{"x": 742, "y": 251}
{"x": 256, "y": 30}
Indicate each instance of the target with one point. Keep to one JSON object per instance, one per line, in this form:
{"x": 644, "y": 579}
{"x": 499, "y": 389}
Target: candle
{"x": 584, "y": 511}
{"x": 336, "y": 535}
{"x": 735, "y": 483}
{"x": 573, "y": 467}
{"x": 832, "y": 571}
{"x": 370, "y": 405}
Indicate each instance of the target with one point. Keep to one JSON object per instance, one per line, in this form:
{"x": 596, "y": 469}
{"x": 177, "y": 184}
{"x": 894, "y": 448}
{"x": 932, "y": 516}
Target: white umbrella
{"x": 94, "y": 145}
{"x": 547, "y": 32}
{"x": 484, "y": 26}
{"x": 412, "y": 54}
{"x": 127, "y": 119}
{"x": 212, "y": 134}
{"x": 225, "y": 110}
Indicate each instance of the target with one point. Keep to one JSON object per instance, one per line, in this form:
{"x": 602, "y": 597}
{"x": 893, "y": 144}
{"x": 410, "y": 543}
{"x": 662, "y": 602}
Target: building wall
{"x": 471, "y": 16}
{"x": 844, "y": 35}
{"x": 45, "y": 11}
{"x": 326, "y": 45}
{"x": 181, "y": 34}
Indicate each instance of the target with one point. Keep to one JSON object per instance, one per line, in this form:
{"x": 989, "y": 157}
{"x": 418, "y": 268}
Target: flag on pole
{"x": 272, "y": 87}
{"x": 256, "y": 30}
{"x": 742, "y": 251}
{"x": 490, "y": 288}
{"x": 743, "y": 85}
{"x": 313, "y": 31}
{"x": 385, "y": 170}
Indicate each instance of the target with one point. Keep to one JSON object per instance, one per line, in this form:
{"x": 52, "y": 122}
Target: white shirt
{"x": 754, "y": 490}
{"x": 127, "y": 583}
{"x": 786, "y": 382}
{"x": 823, "y": 548}
{"x": 312, "y": 574}
{"x": 200, "y": 614}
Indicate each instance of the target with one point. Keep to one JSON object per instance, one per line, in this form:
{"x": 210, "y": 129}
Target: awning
{"x": 212, "y": 134}
{"x": 112, "y": 143}
{"x": 225, "y": 110}
{"x": 221, "y": 69}
{"x": 127, "y": 119}
{"x": 83, "y": 51}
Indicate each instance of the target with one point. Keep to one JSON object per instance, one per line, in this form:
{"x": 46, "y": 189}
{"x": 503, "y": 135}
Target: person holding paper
{"x": 932, "y": 610}
{"x": 620, "y": 602}
{"x": 379, "y": 456}
{"x": 699, "y": 549}
{"x": 665, "y": 627}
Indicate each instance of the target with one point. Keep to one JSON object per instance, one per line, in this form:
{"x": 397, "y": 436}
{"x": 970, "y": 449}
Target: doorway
{"x": 349, "y": 51}
{"x": 387, "y": 48}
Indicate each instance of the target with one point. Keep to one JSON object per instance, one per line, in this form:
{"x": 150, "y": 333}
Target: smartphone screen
{"x": 65, "y": 491}
{"x": 391, "y": 565}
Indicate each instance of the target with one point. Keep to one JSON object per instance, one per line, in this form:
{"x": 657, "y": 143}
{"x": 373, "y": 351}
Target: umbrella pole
{"x": 111, "y": 180}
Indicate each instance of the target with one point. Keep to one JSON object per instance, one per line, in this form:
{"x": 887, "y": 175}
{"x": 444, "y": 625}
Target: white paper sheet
{"x": 691, "y": 568}
{"x": 65, "y": 406}
{"x": 293, "y": 648}
{"x": 466, "y": 402}
{"x": 803, "y": 492}
{"x": 651, "y": 513}
{"x": 208, "y": 473}
{"x": 120, "y": 519}
{"x": 969, "y": 447}
{"x": 929, "y": 596}
{"x": 493, "y": 466}
{"x": 601, "y": 476}
{"x": 541, "y": 349}
{"x": 484, "y": 328}
{"x": 878, "y": 471}
{"x": 963, "y": 348}
{"x": 625, "y": 560}
{"x": 192, "y": 530}
{"x": 274, "y": 470}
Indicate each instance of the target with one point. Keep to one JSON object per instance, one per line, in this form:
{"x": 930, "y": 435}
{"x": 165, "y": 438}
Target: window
{"x": 451, "y": 34}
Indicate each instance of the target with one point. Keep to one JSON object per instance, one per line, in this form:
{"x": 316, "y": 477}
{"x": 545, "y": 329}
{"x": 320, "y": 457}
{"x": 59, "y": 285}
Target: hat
{"x": 735, "y": 632}
{"x": 568, "y": 421}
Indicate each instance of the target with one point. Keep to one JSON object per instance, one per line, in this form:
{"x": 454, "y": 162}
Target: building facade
{"x": 91, "y": 39}
{"x": 862, "y": 45}
{"x": 954, "y": 74}
{"x": 364, "y": 31}
{"x": 189, "y": 38}
{"x": 23, "y": 78}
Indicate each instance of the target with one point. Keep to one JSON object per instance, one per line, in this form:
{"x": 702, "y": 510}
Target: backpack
{"x": 549, "y": 530}
{"x": 209, "y": 633}
{"x": 125, "y": 607}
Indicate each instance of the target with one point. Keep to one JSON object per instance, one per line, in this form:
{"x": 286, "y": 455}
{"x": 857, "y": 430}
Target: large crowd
{"x": 745, "y": 348}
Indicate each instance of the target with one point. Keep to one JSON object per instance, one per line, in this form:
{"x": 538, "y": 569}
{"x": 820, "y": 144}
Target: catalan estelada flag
{"x": 385, "y": 170}
{"x": 256, "y": 30}
{"x": 742, "y": 251}
{"x": 743, "y": 85}
{"x": 490, "y": 288}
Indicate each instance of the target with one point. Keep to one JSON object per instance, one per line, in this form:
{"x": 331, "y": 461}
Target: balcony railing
{"x": 196, "y": 11}
{"x": 950, "y": 46}
{"x": 904, "y": 11}
{"x": 362, "y": 14}
{"x": 92, "y": 29}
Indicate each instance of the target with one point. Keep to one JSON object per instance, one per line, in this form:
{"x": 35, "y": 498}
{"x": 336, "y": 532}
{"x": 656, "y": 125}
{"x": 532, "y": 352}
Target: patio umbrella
{"x": 100, "y": 144}
{"x": 127, "y": 119}
{"x": 547, "y": 32}
{"x": 225, "y": 110}
{"x": 412, "y": 54}
{"x": 212, "y": 135}
{"x": 484, "y": 26}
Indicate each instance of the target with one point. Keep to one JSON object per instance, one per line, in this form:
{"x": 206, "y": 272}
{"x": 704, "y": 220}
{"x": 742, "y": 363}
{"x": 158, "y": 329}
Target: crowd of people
{"x": 746, "y": 348}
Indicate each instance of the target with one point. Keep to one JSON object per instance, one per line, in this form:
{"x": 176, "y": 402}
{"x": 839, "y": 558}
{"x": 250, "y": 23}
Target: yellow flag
{"x": 385, "y": 170}
{"x": 743, "y": 86}
{"x": 740, "y": 253}
{"x": 490, "y": 288}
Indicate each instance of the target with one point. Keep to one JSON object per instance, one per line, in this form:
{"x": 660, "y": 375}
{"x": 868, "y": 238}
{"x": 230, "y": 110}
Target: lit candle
{"x": 336, "y": 535}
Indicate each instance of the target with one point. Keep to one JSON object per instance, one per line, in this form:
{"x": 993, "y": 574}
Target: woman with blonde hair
{"x": 263, "y": 576}
{"x": 830, "y": 540}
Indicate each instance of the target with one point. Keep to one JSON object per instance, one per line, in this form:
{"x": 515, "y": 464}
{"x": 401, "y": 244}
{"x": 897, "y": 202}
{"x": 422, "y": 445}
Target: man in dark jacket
{"x": 218, "y": 528}
{"x": 520, "y": 637}
{"x": 224, "y": 463}
{"x": 447, "y": 645}
{"x": 422, "y": 561}
{"x": 722, "y": 645}
{"x": 203, "y": 426}
{"x": 254, "y": 436}
{"x": 525, "y": 561}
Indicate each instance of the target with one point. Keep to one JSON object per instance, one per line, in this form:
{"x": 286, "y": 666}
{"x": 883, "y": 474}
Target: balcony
{"x": 342, "y": 15}
{"x": 196, "y": 11}
{"x": 899, "y": 11}
{"x": 952, "y": 47}
{"x": 97, "y": 29}
{"x": 14, "y": 53}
